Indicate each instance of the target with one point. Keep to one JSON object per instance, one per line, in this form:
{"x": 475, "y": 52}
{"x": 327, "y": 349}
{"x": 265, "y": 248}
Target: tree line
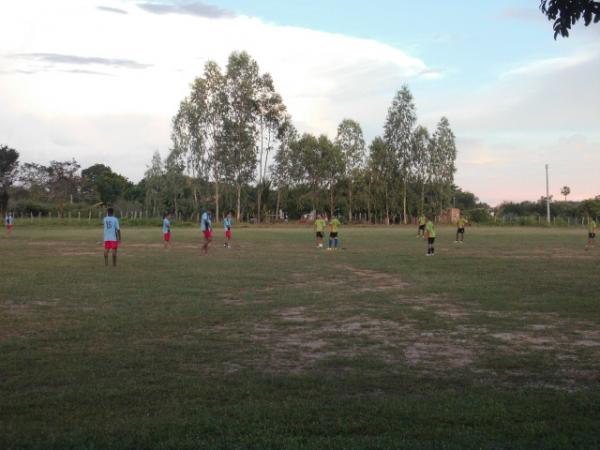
{"x": 235, "y": 147}
{"x": 234, "y": 136}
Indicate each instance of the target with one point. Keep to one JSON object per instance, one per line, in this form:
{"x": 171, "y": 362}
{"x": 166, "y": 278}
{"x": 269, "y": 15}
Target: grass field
{"x": 273, "y": 344}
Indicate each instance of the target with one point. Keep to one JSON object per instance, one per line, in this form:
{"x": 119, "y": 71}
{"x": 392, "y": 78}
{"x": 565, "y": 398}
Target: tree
{"x": 566, "y": 13}
{"x": 173, "y": 182}
{"x": 421, "y": 159}
{"x": 309, "y": 166}
{"x": 351, "y": 143}
{"x": 383, "y": 171}
{"x": 465, "y": 200}
{"x": 198, "y": 130}
{"x": 566, "y": 190}
{"x": 443, "y": 162}
{"x": 239, "y": 144}
{"x": 155, "y": 184}
{"x": 271, "y": 114}
{"x": 284, "y": 167}
{"x": 100, "y": 182}
{"x": 9, "y": 162}
{"x": 398, "y": 133}
{"x": 63, "y": 181}
{"x": 332, "y": 168}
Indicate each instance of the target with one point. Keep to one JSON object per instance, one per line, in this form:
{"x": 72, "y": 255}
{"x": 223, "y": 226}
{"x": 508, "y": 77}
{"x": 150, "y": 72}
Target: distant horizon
{"x": 101, "y": 80}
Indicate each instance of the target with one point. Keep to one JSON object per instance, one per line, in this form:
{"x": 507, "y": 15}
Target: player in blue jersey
{"x": 166, "y": 229}
{"x": 112, "y": 236}
{"x": 228, "y": 225}
{"x": 9, "y": 222}
{"x": 206, "y": 228}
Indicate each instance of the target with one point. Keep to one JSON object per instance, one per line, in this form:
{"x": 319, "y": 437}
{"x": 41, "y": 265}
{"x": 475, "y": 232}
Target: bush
{"x": 478, "y": 215}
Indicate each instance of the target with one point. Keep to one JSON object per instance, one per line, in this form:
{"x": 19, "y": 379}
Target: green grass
{"x": 274, "y": 344}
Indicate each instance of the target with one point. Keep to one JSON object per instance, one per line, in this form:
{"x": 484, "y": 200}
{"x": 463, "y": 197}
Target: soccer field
{"x": 494, "y": 343}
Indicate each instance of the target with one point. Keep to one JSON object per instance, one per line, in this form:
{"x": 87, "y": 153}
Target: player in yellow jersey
{"x": 319, "y": 229}
{"x": 334, "y": 225}
{"x": 430, "y": 234}
{"x": 422, "y": 222}
{"x": 592, "y": 229}
{"x": 461, "y": 223}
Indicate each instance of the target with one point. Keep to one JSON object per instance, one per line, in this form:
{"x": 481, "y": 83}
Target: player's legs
{"x": 207, "y": 241}
{"x": 114, "y": 257}
{"x": 591, "y": 240}
{"x": 106, "y": 257}
{"x": 430, "y": 247}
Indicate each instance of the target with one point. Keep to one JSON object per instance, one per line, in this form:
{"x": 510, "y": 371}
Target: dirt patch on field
{"x": 441, "y": 355}
{"x": 373, "y": 281}
{"x": 295, "y": 314}
{"x": 81, "y": 253}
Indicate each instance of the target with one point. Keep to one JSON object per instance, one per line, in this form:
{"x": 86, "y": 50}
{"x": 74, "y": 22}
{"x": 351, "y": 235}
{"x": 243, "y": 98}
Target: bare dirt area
{"x": 297, "y": 339}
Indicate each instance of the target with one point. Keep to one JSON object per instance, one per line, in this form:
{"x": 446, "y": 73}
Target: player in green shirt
{"x": 422, "y": 222}
{"x": 430, "y": 235}
{"x": 592, "y": 228}
{"x": 461, "y": 223}
{"x": 320, "y": 229}
{"x": 334, "y": 225}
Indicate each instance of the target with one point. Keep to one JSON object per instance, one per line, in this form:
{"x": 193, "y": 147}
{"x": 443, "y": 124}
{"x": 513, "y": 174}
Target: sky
{"x": 100, "y": 80}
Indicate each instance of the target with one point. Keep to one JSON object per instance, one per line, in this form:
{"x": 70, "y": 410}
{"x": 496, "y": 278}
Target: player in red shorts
{"x": 206, "y": 228}
{"x": 166, "y": 229}
{"x": 227, "y": 225}
{"x": 112, "y": 236}
{"x": 9, "y": 221}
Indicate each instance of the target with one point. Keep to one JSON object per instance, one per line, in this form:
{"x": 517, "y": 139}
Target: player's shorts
{"x": 333, "y": 235}
{"x": 319, "y": 234}
{"x": 207, "y": 234}
{"x": 421, "y": 227}
{"x": 430, "y": 240}
{"x": 167, "y": 236}
{"x": 111, "y": 245}
{"x": 228, "y": 234}
{"x": 9, "y": 227}
{"x": 461, "y": 231}
{"x": 592, "y": 235}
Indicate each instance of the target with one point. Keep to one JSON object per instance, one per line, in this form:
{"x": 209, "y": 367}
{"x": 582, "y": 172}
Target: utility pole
{"x": 547, "y": 196}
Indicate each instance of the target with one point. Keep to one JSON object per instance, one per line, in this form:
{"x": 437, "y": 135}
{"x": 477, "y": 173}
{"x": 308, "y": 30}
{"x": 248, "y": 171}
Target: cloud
{"x": 121, "y": 119}
{"x": 58, "y": 58}
{"x": 498, "y": 169}
{"x": 549, "y": 65}
{"x": 87, "y": 72}
{"x": 111, "y": 9}
{"x": 191, "y": 8}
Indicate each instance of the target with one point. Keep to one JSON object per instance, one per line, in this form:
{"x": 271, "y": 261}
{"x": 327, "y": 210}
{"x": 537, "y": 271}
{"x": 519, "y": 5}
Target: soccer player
{"x": 206, "y": 227}
{"x": 430, "y": 235}
{"x": 592, "y": 228}
{"x": 422, "y": 222}
{"x": 166, "y": 229}
{"x": 334, "y": 225}
{"x": 9, "y": 222}
{"x": 320, "y": 229}
{"x": 227, "y": 225}
{"x": 112, "y": 236}
{"x": 460, "y": 229}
